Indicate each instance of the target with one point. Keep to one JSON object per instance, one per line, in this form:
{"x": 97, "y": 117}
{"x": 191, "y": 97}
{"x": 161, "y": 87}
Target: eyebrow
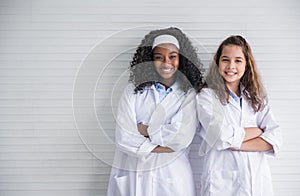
{"x": 238, "y": 57}
{"x": 169, "y": 53}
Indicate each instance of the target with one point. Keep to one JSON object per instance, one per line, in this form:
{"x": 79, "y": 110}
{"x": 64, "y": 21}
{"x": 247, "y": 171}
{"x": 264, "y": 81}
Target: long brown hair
{"x": 254, "y": 90}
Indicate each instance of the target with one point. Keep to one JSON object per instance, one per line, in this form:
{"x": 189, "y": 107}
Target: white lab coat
{"x": 172, "y": 123}
{"x": 226, "y": 172}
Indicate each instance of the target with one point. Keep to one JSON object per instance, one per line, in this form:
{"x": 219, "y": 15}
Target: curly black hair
{"x": 190, "y": 70}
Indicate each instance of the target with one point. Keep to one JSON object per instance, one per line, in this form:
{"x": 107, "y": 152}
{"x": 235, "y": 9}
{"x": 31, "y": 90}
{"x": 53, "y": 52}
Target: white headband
{"x": 165, "y": 39}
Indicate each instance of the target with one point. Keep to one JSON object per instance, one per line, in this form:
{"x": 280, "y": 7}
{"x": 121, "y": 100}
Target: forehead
{"x": 232, "y": 51}
{"x": 166, "y": 48}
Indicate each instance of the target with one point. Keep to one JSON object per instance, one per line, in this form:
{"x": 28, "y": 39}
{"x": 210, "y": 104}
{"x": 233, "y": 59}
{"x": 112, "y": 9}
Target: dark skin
{"x": 166, "y": 62}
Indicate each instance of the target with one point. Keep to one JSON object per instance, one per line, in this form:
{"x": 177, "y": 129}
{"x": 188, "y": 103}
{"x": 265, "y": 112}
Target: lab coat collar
{"x": 232, "y": 99}
{"x": 175, "y": 88}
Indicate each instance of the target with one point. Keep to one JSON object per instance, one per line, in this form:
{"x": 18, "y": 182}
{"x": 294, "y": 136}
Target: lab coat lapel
{"x": 172, "y": 98}
{"x": 234, "y": 103}
{"x": 162, "y": 108}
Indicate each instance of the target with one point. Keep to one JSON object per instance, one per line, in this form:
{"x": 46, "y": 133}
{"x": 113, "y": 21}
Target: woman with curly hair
{"x": 237, "y": 126}
{"x": 156, "y": 118}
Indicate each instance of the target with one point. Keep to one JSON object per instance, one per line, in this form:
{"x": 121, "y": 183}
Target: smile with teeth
{"x": 230, "y": 73}
{"x": 167, "y": 69}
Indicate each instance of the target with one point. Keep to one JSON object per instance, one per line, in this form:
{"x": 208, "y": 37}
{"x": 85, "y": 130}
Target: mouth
{"x": 167, "y": 69}
{"x": 230, "y": 73}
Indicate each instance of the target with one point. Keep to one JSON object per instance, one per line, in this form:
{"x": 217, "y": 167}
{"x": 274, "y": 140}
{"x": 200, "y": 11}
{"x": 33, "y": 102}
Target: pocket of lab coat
{"x": 122, "y": 185}
{"x": 225, "y": 183}
{"x": 266, "y": 186}
{"x": 220, "y": 182}
{"x": 167, "y": 187}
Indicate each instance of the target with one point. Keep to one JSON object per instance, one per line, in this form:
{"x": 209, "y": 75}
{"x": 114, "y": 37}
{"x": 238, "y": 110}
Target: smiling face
{"x": 166, "y": 62}
{"x": 232, "y": 65}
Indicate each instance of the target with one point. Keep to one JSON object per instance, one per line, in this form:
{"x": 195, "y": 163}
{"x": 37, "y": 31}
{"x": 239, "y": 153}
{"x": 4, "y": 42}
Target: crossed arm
{"x": 158, "y": 149}
{"x": 252, "y": 141}
{"x": 211, "y": 116}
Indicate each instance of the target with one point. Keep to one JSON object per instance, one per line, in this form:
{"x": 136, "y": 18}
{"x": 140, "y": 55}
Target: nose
{"x": 231, "y": 64}
{"x": 167, "y": 60}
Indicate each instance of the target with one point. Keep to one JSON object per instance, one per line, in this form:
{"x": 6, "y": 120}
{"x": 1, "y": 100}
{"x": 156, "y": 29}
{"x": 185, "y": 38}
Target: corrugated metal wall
{"x": 63, "y": 66}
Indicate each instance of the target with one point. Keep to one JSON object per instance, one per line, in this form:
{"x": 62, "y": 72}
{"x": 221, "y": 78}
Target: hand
{"x": 160, "y": 149}
{"x": 143, "y": 129}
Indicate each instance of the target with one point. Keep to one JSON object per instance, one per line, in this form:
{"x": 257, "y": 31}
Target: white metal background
{"x": 44, "y": 45}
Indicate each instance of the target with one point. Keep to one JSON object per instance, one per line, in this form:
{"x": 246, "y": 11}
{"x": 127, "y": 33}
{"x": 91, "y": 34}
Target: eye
{"x": 238, "y": 61}
{"x": 173, "y": 57}
{"x": 158, "y": 58}
{"x": 224, "y": 60}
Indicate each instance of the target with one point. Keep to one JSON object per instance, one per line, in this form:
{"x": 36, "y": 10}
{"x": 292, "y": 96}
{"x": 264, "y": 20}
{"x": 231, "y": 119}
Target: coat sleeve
{"x": 128, "y": 139}
{"x": 179, "y": 133}
{"x": 216, "y": 129}
{"x": 271, "y": 130}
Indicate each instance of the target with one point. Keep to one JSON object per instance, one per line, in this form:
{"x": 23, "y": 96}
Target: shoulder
{"x": 191, "y": 92}
{"x": 128, "y": 92}
{"x": 206, "y": 93}
{"x": 188, "y": 96}
{"x": 207, "y": 97}
{"x": 129, "y": 89}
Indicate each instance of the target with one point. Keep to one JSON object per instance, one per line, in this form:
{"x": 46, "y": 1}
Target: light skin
{"x": 166, "y": 63}
{"x": 232, "y": 65}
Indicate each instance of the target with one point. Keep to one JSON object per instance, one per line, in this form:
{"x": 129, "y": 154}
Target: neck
{"x": 235, "y": 88}
{"x": 167, "y": 82}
